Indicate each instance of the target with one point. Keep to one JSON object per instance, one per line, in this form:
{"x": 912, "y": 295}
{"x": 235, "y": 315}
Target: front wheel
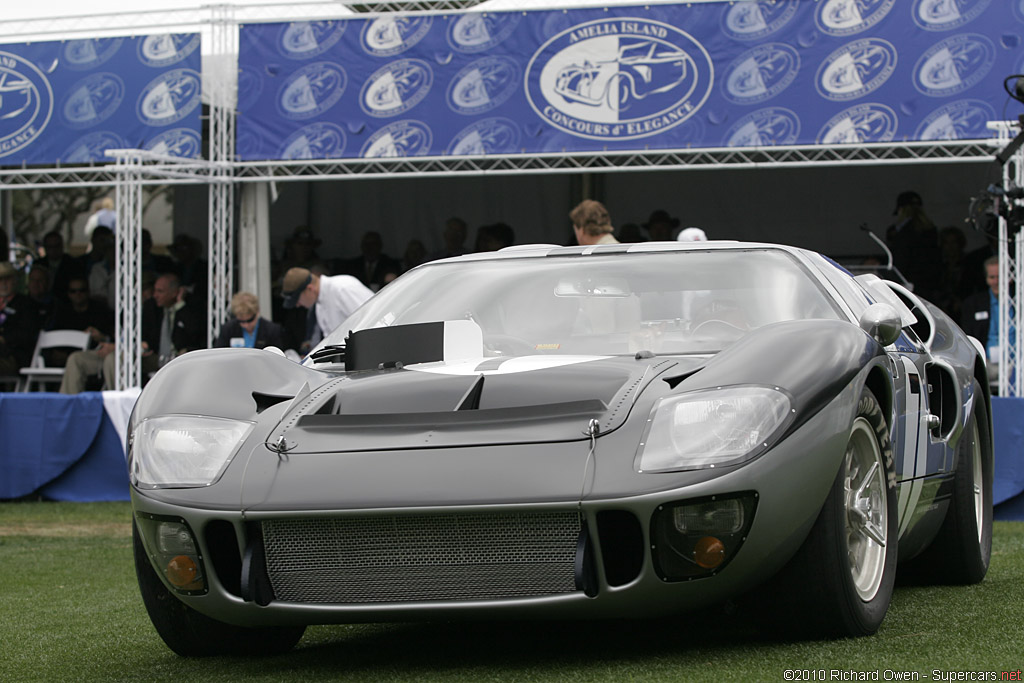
{"x": 842, "y": 578}
{"x": 192, "y": 634}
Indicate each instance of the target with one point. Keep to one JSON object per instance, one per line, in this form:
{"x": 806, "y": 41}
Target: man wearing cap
{"x": 19, "y": 323}
{"x": 914, "y": 241}
{"x": 592, "y": 223}
{"x": 332, "y": 299}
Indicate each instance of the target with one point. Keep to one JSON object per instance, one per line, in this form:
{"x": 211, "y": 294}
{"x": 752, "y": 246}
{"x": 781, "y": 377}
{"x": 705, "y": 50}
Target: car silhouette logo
{"x": 312, "y": 90}
{"x": 178, "y": 142}
{"x": 943, "y": 15}
{"x": 168, "y": 48}
{"x": 954, "y": 65}
{"x": 389, "y": 35}
{"x": 845, "y": 17}
{"x": 754, "y": 19}
{"x": 770, "y": 126}
{"x": 856, "y": 69}
{"x": 93, "y": 99}
{"x": 475, "y": 32}
{"x": 399, "y": 139}
{"x": 396, "y": 88}
{"x": 89, "y": 53}
{"x": 639, "y": 70}
{"x": 870, "y": 122}
{"x": 761, "y": 73}
{"x": 305, "y": 39}
{"x": 483, "y": 85}
{"x": 321, "y": 140}
{"x": 489, "y": 136}
{"x": 169, "y": 97}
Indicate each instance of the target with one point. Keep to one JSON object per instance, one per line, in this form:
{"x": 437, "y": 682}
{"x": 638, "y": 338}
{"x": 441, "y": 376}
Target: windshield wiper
{"x": 331, "y": 352}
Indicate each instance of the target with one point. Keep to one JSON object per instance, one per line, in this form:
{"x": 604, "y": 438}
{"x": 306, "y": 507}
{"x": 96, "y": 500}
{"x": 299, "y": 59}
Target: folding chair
{"x": 37, "y": 372}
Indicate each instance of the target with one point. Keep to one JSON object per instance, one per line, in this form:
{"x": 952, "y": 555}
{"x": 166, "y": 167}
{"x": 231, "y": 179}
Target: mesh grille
{"x": 421, "y": 557}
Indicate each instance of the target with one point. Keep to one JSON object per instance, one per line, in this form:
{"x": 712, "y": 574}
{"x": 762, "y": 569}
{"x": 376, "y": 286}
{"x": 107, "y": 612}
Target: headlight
{"x": 711, "y": 428}
{"x": 180, "y": 450}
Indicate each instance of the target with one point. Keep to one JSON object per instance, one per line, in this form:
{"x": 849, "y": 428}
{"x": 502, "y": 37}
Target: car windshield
{"x": 667, "y": 303}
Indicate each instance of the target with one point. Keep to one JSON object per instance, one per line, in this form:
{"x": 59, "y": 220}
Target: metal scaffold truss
{"x": 1011, "y": 267}
{"x": 647, "y": 160}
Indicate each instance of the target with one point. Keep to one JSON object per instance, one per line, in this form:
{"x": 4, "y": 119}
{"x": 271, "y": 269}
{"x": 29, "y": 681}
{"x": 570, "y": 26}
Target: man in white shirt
{"x": 332, "y": 298}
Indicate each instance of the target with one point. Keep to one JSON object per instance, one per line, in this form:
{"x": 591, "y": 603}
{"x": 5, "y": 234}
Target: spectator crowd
{"x": 314, "y": 292}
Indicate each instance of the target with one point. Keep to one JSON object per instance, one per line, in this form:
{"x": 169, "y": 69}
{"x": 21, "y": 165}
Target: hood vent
{"x": 471, "y": 401}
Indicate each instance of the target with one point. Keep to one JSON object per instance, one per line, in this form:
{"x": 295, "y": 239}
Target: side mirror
{"x": 882, "y": 323}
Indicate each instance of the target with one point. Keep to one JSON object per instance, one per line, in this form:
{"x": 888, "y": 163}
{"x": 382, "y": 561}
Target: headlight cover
{"x": 711, "y": 428}
{"x": 182, "y": 451}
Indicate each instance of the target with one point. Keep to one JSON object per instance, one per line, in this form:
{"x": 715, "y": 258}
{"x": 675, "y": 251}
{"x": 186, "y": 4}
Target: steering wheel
{"x": 508, "y": 345}
{"x": 717, "y": 328}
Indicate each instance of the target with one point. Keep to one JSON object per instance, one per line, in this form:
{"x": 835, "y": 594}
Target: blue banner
{"x": 770, "y": 72}
{"x": 68, "y": 101}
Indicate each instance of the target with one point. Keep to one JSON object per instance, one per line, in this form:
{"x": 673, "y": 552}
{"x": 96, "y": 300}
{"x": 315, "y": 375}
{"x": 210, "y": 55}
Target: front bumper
{"x": 615, "y": 567}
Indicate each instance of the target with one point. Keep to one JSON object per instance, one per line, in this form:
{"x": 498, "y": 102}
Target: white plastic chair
{"x": 37, "y": 372}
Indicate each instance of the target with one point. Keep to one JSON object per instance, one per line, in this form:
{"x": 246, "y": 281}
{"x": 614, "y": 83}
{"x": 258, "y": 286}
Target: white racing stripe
{"x": 499, "y": 365}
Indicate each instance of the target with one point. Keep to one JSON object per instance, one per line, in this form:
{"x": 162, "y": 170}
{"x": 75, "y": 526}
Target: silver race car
{"x": 569, "y": 432}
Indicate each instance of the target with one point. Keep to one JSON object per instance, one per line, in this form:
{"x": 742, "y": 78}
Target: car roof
{"x": 540, "y": 250}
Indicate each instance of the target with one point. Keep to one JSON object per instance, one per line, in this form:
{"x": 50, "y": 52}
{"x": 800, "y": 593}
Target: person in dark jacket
{"x": 170, "y": 327}
{"x": 19, "y": 323}
{"x": 246, "y": 329}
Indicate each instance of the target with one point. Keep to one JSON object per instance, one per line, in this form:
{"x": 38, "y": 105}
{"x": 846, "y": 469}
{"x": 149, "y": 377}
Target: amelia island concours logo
{"x": 307, "y": 39}
{"x": 311, "y": 90}
{"x": 399, "y": 139}
{"x": 89, "y": 53}
{"x": 943, "y": 15}
{"x": 92, "y": 147}
{"x": 389, "y": 35}
{"x": 483, "y": 85}
{"x": 487, "y": 136}
{"x": 846, "y": 17}
{"x": 396, "y": 87}
{"x": 177, "y": 142}
{"x": 169, "y": 97}
{"x": 476, "y": 32}
{"x": 761, "y": 73}
{"x": 764, "y": 127}
{"x": 166, "y": 49}
{"x": 869, "y": 122}
{"x": 960, "y": 120}
{"x": 92, "y": 100}
{"x": 618, "y": 79}
{"x": 321, "y": 140}
{"x": 954, "y": 65}
{"x": 755, "y": 19}
{"x": 856, "y": 69}
{"x": 26, "y": 103}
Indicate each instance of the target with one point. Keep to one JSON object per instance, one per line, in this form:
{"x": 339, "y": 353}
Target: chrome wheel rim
{"x": 867, "y": 514}
{"x": 977, "y": 481}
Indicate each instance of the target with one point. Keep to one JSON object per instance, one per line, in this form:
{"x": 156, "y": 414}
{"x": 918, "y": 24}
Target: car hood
{"x": 484, "y": 401}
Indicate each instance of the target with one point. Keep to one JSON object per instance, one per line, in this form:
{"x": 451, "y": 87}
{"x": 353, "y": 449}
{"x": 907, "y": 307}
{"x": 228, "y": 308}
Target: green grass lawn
{"x": 70, "y": 610}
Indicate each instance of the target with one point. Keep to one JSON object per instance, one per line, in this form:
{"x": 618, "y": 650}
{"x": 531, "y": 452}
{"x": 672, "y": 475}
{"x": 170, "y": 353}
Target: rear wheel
{"x": 841, "y": 580}
{"x": 962, "y": 549}
{"x": 192, "y": 634}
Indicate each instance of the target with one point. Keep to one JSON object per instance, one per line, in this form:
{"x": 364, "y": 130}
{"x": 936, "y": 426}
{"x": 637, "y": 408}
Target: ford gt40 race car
{"x": 568, "y": 432}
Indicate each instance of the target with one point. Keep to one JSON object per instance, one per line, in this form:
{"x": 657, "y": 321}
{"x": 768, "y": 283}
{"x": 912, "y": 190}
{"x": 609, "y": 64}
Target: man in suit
{"x": 373, "y": 265}
{"x": 170, "y": 327}
{"x": 247, "y": 329}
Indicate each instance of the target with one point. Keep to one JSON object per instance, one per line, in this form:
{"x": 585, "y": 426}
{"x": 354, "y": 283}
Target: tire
{"x": 841, "y": 580}
{"x": 962, "y": 548}
{"x": 192, "y": 634}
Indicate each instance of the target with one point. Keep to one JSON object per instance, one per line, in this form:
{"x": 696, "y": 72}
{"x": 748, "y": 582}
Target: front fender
{"x": 221, "y": 383}
{"x": 812, "y": 360}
